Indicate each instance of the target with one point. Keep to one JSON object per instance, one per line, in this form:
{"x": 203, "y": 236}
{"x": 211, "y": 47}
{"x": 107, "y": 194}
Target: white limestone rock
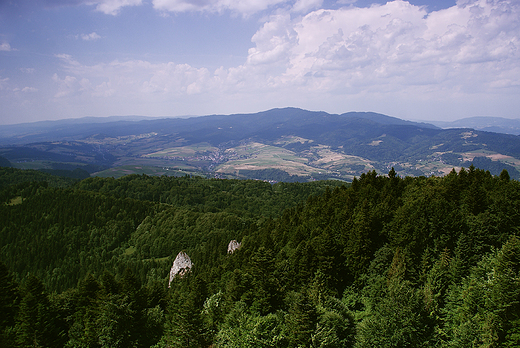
{"x": 181, "y": 265}
{"x": 232, "y": 246}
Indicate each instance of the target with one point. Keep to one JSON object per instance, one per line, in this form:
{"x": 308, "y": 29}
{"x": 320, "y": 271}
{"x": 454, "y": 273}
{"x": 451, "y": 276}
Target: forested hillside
{"x": 384, "y": 262}
{"x": 287, "y": 144}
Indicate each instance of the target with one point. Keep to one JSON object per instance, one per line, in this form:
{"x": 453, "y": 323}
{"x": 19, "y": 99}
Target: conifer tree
{"x": 9, "y": 298}
{"x": 397, "y": 319}
{"x": 265, "y": 290}
{"x": 335, "y": 326}
{"x": 301, "y": 320}
{"x": 35, "y": 322}
{"x": 185, "y": 325}
{"x": 504, "y": 175}
{"x": 505, "y": 295}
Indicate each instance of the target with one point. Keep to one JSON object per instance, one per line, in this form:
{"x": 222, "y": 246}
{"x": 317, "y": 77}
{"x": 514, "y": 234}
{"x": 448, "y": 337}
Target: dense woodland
{"x": 383, "y": 262}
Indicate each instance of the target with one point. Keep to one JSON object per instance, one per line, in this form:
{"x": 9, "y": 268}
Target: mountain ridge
{"x": 36, "y": 131}
{"x": 304, "y": 144}
{"x": 484, "y": 123}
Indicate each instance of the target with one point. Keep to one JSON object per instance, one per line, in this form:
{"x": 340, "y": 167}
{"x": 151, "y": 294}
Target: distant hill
{"x": 4, "y": 162}
{"x": 289, "y": 143}
{"x": 258, "y": 123}
{"x": 489, "y": 124}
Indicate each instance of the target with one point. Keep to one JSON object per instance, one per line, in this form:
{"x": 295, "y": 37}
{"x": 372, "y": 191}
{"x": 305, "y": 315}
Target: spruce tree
{"x": 301, "y": 320}
{"x": 9, "y": 298}
{"x": 35, "y": 322}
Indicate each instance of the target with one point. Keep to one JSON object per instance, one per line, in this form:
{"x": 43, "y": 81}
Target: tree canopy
{"x": 385, "y": 261}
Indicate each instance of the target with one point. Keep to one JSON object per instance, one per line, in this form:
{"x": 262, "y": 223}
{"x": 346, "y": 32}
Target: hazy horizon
{"x": 111, "y": 118}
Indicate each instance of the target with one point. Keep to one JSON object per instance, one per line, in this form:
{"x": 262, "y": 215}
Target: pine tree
{"x": 504, "y": 175}
{"x": 335, "y": 327}
{"x": 301, "y": 320}
{"x": 115, "y": 323}
{"x": 185, "y": 325}
{"x": 398, "y": 318}
{"x": 9, "y": 298}
{"x": 505, "y": 295}
{"x": 360, "y": 242}
{"x": 265, "y": 290}
{"x": 35, "y": 322}
{"x": 485, "y": 309}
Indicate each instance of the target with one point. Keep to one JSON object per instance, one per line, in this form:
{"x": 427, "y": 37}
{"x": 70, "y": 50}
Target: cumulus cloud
{"x": 305, "y": 5}
{"x": 274, "y": 42}
{"x": 471, "y": 46}
{"x": 90, "y": 37}
{"x": 112, "y": 7}
{"x": 29, "y": 89}
{"x": 131, "y": 79}
{"x": 6, "y": 47}
{"x": 3, "y": 83}
{"x": 66, "y": 86}
{"x": 239, "y": 6}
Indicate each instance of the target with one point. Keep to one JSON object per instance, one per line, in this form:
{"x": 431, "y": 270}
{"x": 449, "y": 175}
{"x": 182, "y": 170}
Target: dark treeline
{"x": 4, "y": 162}
{"x": 11, "y": 176}
{"x": 251, "y": 198}
{"x": 383, "y": 262}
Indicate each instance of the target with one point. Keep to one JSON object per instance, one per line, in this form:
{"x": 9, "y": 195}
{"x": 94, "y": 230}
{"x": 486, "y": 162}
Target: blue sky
{"x": 417, "y": 59}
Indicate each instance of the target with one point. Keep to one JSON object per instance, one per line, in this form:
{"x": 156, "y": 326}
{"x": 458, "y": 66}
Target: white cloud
{"x": 239, "y": 6}
{"x": 8, "y": 88}
{"x": 306, "y": 5}
{"x": 393, "y": 47}
{"x": 29, "y": 89}
{"x": 3, "y": 83}
{"x": 6, "y": 47}
{"x": 112, "y": 7}
{"x": 66, "y": 86}
{"x": 132, "y": 79}
{"x": 274, "y": 42}
{"x": 90, "y": 37}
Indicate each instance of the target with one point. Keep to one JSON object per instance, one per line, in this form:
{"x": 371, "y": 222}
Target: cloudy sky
{"x": 416, "y": 59}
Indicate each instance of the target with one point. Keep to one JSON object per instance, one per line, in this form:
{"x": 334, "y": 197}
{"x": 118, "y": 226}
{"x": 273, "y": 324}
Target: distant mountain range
{"x": 279, "y": 144}
{"x": 488, "y": 124}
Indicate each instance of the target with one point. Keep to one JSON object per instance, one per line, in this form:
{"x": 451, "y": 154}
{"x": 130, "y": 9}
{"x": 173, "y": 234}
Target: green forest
{"x": 384, "y": 261}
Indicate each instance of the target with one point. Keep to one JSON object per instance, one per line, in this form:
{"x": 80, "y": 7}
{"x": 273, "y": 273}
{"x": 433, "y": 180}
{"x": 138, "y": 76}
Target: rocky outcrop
{"x": 232, "y": 246}
{"x": 181, "y": 266}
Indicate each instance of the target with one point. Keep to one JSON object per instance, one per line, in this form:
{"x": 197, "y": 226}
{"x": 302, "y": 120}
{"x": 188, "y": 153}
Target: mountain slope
{"x": 304, "y": 144}
{"x": 489, "y": 124}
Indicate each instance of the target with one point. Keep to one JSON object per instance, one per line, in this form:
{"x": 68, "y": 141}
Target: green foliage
{"x": 36, "y": 322}
{"x": 385, "y": 262}
{"x": 249, "y": 198}
{"x": 242, "y": 329}
{"x": 64, "y": 234}
{"x": 485, "y": 310}
{"x": 335, "y": 326}
{"x": 14, "y": 177}
{"x": 9, "y": 303}
{"x": 110, "y": 313}
{"x": 396, "y": 318}
{"x": 302, "y": 318}
{"x": 185, "y": 325}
